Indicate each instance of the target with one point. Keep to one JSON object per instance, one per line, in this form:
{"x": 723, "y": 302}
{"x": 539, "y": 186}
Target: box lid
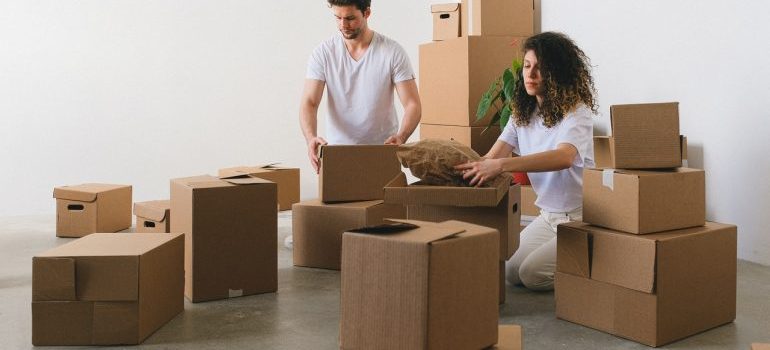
{"x": 249, "y": 170}
{"x": 83, "y": 193}
{"x": 153, "y": 210}
{"x": 415, "y": 231}
{"x": 347, "y": 205}
{"x": 399, "y": 192}
{"x": 450, "y": 7}
{"x": 208, "y": 181}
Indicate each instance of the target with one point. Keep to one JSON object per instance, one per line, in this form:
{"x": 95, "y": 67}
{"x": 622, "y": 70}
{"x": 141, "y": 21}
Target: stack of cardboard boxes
{"x": 644, "y": 264}
{"x": 474, "y": 42}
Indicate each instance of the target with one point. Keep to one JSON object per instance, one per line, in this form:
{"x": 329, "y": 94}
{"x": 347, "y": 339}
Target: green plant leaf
{"x": 487, "y": 100}
{"x": 516, "y": 65}
{"x": 505, "y": 115}
{"x": 509, "y": 84}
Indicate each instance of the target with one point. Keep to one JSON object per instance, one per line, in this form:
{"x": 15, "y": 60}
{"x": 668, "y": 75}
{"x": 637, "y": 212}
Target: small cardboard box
{"x": 107, "y": 289}
{"x": 153, "y": 216}
{"x": 433, "y": 286}
{"x": 470, "y": 136}
{"x": 454, "y": 74}
{"x": 231, "y": 235}
{"x": 496, "y": 207}
{"x": 498, "y": 17}
{"x": 603, "y": 156}
{"x": 528, "y": 198}
{"x": 317, "y": 228}
{"x": 641, "y": 201}
{"x": 446, "y": 21}
{"x": 89, "y": 208}
{"x": 509, "y": 337}
{"x": 286, "y": 178}
{"x": 644, "y": 136}
{"x": 653, "y": 289}
{"x": 356, "y": 172}
{"x": 758, "y": 346}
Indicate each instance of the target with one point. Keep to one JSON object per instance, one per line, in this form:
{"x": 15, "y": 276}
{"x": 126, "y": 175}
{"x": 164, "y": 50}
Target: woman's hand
{"x": 480, "y": 171}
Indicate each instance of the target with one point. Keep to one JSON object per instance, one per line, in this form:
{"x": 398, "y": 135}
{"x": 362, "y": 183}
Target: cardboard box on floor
{"x": 231, "y": 229}
{"x": 758, "y": 346}
{"x": 356, "y": 172}
{"x": 446, "y": 21}
{"x": 89, "y": 208}
{"x": 653, "y": 289}
{"x": 287, "y": 180}
{"x": 153, "y": 216}
{"x": 509, "y": 337}
{"x": 401, "y": 290}
{"x": 528, "y": 198}
{"x": 644, "y": 136}
{"x": 470, "y": 136}
{"x": 107, "y": 289}
{"x": 498, "y": 17}
{"x": 317, "y": 228}
{"x": 455, "y": 73}
{"x": 641, "y": 201}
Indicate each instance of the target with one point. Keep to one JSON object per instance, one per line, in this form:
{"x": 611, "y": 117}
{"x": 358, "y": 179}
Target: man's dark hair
{"x": 362, "y": 5}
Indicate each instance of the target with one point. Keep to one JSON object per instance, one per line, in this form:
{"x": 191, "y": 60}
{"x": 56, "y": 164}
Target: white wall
{"x": 142, "y": 91}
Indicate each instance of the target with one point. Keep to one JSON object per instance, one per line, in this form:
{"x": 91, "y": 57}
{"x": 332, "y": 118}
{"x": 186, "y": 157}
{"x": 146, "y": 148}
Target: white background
{"x": 142, "y": 91}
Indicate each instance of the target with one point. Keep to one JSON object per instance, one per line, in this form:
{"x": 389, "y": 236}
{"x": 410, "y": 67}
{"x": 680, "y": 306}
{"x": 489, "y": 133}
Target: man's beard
{"x": 352, "y": 35}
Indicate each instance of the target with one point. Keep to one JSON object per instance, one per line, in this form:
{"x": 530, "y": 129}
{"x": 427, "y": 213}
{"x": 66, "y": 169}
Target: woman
{"x": 551, "y": 132}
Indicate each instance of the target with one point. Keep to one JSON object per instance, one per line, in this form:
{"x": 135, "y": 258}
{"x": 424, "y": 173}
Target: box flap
{"x": 153, "y": 210}
{"x": 84, "y": 192}
{"x": 248, "y": 181}
{"x": 573, "y": 249}
{"x": 240, "y": 171}
{"x": 412, "y": 231}
{"x": 624, "y": 260}
{"x": 110, "y": 244}
{"x": 53, "y": 279}
{"x": 398, "y": 192}
{"x": 450, "y": 7}
{"x": 201, "y": 181}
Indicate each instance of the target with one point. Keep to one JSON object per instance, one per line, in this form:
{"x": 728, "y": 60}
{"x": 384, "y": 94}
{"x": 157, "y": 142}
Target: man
{"x": 360, "y": 69}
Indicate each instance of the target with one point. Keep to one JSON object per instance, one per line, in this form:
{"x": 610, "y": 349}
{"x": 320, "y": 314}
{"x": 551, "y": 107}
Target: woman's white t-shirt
{"x": 557, "y": 191}
{"x": 360, "y": 94}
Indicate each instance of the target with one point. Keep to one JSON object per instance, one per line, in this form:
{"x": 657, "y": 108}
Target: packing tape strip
{"x": 685, "y": 163}
{"x": 234, "y": 293}
{"x": 608, "y": 178}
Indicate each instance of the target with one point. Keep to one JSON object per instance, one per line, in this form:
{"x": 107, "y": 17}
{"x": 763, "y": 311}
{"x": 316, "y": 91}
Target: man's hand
{"x": 481, "y": 171}
{"x": 312, "y": 151}
{"x": 395, "y": 140}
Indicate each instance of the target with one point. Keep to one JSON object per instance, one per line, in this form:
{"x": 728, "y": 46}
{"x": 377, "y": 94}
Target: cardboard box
{"x": 433, "y": 286}
{"x": 356, "y": 172}
{"x": 286, "y": 178}
{"x": 317, "y": 228}
{"x": 603, "y": 157}
{"x": 455, "y": 73}
{"x": 153, "y": 216}
{"x": 498, "y": 17}
{"x": 528, "y": 198}
{"x": 641, "y": 201}
{"x": 496, "y": 207}
{"x": 107, "y": 289}
{"x": 446, "y": 21}
{"x": 758, "y": 346}
{"x": 470, "y": 136}
{"x": 231, "y": 235}
{"x": 653, "y": 289}
{"x": 509, "y": 337}
{"x": 89, "y": 208}
{"x": 644, "y": 136}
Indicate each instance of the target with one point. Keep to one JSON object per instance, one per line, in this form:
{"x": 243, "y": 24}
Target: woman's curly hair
{"x": 566, "y": 80}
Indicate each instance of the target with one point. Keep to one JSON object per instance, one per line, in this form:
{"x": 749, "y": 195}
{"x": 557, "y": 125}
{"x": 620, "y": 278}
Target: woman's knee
{"x": 512, "y": 272}
{"x": 536, "y": 276}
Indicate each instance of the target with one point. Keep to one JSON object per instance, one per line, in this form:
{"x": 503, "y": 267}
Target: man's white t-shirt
{"x": 360, "y": 93}
{"x": 557, "y": 191}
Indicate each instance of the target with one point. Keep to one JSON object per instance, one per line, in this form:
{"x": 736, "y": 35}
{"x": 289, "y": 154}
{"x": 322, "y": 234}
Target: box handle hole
{"x": 149, "y": 224}
{"x": 443, "y": 16}
{"x": 515, "y": 208}
{"x": 75, "y": 207}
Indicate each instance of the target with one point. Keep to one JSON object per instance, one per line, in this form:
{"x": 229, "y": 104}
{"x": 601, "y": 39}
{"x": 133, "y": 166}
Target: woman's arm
{"x": 499, "y": 150}
{"x": 487, "y": 169}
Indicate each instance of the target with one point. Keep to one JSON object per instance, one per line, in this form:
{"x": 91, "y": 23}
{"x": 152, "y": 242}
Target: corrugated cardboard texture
{"x": 400, "y": 291}
{"x": 455, "y": 73}
{"x": 498, "y": 17}
{"x": 357, "y": 172}
{"x": 89, "y": 208}
{"x": 230, "y": 229}
{"x": 470, "y": 136}
{"x": 153, "y": 216}
{"x": 446, "y": 21}
{"x": 645, "y": 136}
{"x": 509, "y": 337}
{"x": 645, "y": 201}
{"x": 317, "y": 228}
{"x": 528, "y": 198}
{"x": 603, "y": 152}
{"x": 286, "y": 178}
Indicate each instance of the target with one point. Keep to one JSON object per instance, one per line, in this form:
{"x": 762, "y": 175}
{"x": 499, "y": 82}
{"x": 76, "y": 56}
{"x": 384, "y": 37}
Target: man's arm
{"x": 410, "y": 100}
{"x": 308, "y": 118}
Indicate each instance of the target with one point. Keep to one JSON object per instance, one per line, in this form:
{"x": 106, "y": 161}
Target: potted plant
{"x": 500, "y": 95}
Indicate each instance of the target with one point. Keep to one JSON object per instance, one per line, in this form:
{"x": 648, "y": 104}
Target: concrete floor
{"x": 304, "y": 314}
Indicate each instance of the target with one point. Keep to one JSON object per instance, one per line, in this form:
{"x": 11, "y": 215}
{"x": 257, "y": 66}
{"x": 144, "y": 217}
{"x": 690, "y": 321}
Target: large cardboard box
{"x": 455, "y": 73}
{"x": 317, "y": 228}
{"x": 153, "y": 216}
{"x": 528, "y": 198}
{"x": 653, "y": 289}
{"x": 356, "y": 172}
{"x": 446, "y": 21}
{"x": 644, "y": 136}
{"x": 496, "y": 207}
{"x": 498, "y": 17}
{"x": 432, "y": 286}
{"x": 89, "y": 208}
{"x": 642, "y": 201}
{"x": 107, "y": 289}
{"x": 287, "y": 180}
{"x": 470, "y": 136}
{"x": 231, "y": 235}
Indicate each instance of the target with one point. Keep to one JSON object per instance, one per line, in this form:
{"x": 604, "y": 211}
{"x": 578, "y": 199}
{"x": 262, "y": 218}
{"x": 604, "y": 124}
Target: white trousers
{"x": 534, "y": 263}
